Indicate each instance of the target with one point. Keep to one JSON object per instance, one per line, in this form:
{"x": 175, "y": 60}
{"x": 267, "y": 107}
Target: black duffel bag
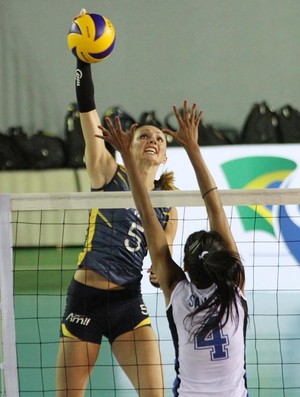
{"x": 41, "y": 150}
{"x": 11, "y": 158}
{"x": 261, "y": 125}
{"x": 289, "y": 124}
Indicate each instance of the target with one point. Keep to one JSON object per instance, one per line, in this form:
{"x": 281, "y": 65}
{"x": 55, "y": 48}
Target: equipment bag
{"x": 261, "y": 125}
{"x": 41, "y": 150}
{"x": 289, "y": 124}
{"x": 208, "y": 135}
{"x": 150, "y": 118}
{"x": 74, "y": 138}
{"x": 10, "y": 156}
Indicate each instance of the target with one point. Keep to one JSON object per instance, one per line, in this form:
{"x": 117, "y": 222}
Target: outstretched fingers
{"x": 192, "y": 116}
{"x": 180, "y": 122}
{"x": 197, "y": 118}
{"x": 188, "y": 123}
{"x": 115, "y": 135}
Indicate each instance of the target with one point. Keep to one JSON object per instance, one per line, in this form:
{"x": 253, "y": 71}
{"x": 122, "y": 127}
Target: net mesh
{"x": 48, "y": 232}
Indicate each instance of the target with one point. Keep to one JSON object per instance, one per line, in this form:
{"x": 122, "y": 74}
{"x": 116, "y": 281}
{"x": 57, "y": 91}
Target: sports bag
{"x": 289, "y": 124}
{"x": 150, "y": 118}
{"x": 261, "y": 125}
{"x": 41, "y": 150}
{"x": 208, "y": 135}
{"x": 74, "y": 138}
{"x": 10, "y": 156}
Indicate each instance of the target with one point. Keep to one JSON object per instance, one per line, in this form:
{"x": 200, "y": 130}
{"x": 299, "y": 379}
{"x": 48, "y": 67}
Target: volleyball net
{"x": 41, "y": 236}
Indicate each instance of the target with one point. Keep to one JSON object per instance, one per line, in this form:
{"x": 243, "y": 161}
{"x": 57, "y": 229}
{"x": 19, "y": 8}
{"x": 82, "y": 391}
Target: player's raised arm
{"x": 99, "y": 162}
{"x": 187, "y": 136}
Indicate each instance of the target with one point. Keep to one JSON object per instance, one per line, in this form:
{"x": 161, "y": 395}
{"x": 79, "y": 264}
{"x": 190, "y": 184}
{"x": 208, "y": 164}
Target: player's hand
{"x": 81, "y": 13}
{"x": 189, "y": 121}
{"x": 115, "y": 135}
{"x": 152, "y": 278}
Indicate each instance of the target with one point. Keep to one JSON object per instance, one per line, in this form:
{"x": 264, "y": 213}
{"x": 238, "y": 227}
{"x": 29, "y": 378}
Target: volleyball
{"x": 91, "y": 38}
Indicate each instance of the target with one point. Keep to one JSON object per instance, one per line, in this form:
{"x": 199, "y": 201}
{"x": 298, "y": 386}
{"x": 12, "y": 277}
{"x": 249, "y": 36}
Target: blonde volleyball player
{"x": 104, "y": 297}
{"x": 208, "y": 314}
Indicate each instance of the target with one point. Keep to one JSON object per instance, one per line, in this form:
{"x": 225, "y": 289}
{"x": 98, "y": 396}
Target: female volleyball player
{"x": 208, "y": 314}
{"x": 104, "y": 298}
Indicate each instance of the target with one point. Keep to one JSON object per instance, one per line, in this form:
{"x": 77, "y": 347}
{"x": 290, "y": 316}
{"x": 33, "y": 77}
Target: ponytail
{"x": 166, "y": 181}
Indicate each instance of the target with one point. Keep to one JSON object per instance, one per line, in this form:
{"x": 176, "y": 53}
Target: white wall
{"x": 225, "y": 54}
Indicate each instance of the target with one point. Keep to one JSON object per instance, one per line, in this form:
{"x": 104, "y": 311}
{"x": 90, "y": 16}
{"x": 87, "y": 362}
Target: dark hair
{"x": 217, "y": 266}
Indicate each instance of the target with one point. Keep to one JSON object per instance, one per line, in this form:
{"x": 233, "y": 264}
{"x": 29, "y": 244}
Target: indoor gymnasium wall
{"x": 225, "y": 54}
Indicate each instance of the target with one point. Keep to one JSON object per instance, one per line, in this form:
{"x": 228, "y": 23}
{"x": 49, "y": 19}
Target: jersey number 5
{"x": 132, "y": 232}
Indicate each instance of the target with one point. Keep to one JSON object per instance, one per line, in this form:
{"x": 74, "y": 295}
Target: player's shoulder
{"x": 181, "y": 287}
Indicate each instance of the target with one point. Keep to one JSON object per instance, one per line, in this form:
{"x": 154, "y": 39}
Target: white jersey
{"x": 213, "y": 366}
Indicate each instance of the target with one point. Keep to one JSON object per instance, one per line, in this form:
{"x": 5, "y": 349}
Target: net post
{"x": 8, "y": 341}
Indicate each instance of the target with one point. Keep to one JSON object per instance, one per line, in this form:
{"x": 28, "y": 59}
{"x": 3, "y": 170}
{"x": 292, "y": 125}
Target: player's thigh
{"x": 138, "y": 354}
{"x": 75, "y": 362}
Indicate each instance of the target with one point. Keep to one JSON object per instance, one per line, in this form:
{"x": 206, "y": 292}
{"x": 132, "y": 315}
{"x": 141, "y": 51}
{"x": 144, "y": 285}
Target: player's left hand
{"x": 188, "y": 121}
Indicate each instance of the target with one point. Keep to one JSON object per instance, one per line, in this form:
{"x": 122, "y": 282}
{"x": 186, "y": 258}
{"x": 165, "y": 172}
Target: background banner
{"x": 268, "y": 236}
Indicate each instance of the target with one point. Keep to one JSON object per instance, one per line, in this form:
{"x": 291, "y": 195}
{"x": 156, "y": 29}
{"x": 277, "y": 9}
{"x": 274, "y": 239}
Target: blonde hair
{"x": 166, "y": 181}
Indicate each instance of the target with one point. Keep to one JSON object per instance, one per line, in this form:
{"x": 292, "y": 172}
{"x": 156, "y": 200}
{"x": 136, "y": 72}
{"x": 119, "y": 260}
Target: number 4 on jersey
{"x": 215, "y": 341}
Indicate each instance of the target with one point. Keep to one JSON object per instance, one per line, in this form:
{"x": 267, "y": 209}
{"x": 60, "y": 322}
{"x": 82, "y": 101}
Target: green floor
{"x": 41, "y": 280}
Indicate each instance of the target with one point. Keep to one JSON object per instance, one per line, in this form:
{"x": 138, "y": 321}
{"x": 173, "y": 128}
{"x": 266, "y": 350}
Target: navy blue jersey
{"x": 115, "y": 245}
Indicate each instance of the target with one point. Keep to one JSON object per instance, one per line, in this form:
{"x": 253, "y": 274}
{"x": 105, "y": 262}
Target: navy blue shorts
{"x": 91, "y": 313}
